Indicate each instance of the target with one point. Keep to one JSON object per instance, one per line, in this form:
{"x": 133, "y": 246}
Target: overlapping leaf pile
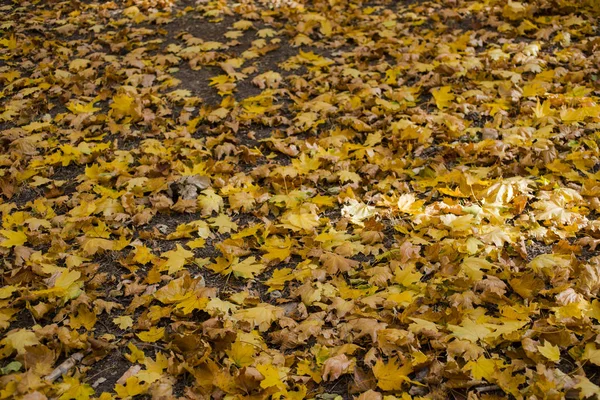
{"x": 223, "y": 200}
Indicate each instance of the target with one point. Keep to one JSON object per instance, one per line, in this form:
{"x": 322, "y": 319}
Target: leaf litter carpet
{"x": 330, "y": 199}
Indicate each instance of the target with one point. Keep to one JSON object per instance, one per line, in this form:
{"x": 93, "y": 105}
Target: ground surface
{"x": 345, "y": 198}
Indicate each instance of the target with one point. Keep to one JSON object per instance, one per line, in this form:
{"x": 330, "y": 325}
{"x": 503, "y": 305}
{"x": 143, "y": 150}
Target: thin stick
{"x": 490, "y": 388}
{"x": 64, "y": 367}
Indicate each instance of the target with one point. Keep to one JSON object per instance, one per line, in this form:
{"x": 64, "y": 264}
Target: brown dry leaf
{"x": 334, "y": 367}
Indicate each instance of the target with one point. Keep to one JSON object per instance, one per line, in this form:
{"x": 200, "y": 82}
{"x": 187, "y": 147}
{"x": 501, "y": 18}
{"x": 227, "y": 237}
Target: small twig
{"x": 64, "y": 367}
{"x": 104, "y": 325}
{"x": 155, "y": 346}
{"x": 490, "y": 388}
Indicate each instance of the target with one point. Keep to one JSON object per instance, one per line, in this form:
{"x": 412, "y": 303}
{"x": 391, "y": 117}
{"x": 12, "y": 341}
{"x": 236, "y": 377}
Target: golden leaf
{"x": 13, "y": 238}
{"x": 391, "y": 375}
{"x": 18, "y": 339}
{"x": 443, "y": 96}
{"x": 242, "y": 354}
{"x": 550, "y": 351}
{"x": 152, "y": 335}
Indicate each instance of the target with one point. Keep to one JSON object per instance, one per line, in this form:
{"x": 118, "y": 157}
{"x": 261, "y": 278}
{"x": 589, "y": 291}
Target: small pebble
{"x": 162, "y": 228}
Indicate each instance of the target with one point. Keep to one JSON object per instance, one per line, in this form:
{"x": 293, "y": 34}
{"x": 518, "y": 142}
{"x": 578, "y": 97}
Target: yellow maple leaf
{"x": 277, "y": 248}
{"x": 242, "y": 354}
{"x": 302, "y": 218}
{"x": 443, "y": 97}
{"x": 498, "y": 235}
{"x": 220, "y": 80}
{"x": 534, "y": 89}
{"x": 550, "y": 351}
{"x": 197, "y": 243}
{"x": 591, "y": 354}
{"x": 78, "y": 64}
{"x": 216, "y": 306}
{"x": 358, "y": 212}
{"x": 123, "y": 322}
{"x": 540, "y": 111}
{"x": 10, "y": 43}
{"x": 458, "y": 223}
{"x": 124, "y": 105}
{"x": 66, "y": 279}
{"x": 300, "y": 40}
{"x": 84, "y": 209}
{"x": 305, "y": 367}
{"x": 176, "y": 259}
{"x": 85, "y": 318}
{"x": 469, "y": 330}
{"x": 143, "y": 255}
{"x": 218, "y": 114}
{"x": 299, "y": 394}
{"x": 65, "y": 285}
{"x": 472, "y": 266}
{"x": 326, "y": 27}
{"x": 273, "y": 376}
{"x": 148, "y": 376}
{"x": 356, "y": 124}
{"x": 548, "y": 262}
{"x": 587, "y": 388}
{"x": 179, "y": 94}
{"x": 407, "y": 203}
{"x": 159, "y": 364}
{"x": 243, "y": 25}
{"x": 7, "y": 291}
{"x": 404, "y": 299}
{"x": 321, "y": 200}
{"x": 507, "y": 327}
{"x": 36, "y": 125}
{"x": 173, "y": 292}
{"x": 136, "y": 354}
{"x": 392, "y": 375}
{"x": 91, "y": 246}
{"x": 279, "y": 278}
{"x": 191, "y": 303}
{"x": 224, "y": 223}
{"x": 76, "y": 389}
{"x": 247, "y": 268}
{"x": 19, "y": 339}
{"x": 263, "y": 315}
{"x": 307, "y": 120}
{"x": 13, "y": 238}
{"x": 152, "y": 335}
{"x": 484, "y": 368}
{"x": 131, "y": 388}
{"x": 78, "y": 108}
{"x": 294, "y": 198}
